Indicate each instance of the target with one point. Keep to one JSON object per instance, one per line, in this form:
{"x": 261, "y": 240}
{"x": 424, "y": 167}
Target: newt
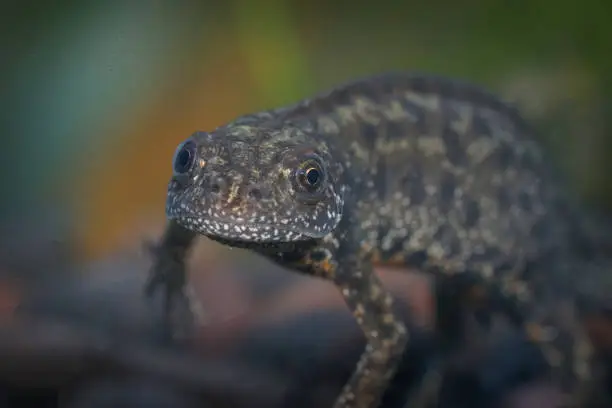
{"x": 400, "y": 168}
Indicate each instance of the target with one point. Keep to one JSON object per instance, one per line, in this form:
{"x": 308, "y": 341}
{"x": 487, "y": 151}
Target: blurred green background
{"x": 96, "y": 95}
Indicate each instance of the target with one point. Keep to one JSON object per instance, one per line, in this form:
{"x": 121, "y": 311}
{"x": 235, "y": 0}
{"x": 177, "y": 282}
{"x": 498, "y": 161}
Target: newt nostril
{"x": 217, "y": 186}
{"x": 257, "y": 192}
{"x": 254, "y": 193}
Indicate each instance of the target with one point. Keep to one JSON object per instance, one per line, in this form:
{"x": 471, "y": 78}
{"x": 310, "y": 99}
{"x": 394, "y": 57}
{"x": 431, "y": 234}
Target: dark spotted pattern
{"x": 425, "y": 171}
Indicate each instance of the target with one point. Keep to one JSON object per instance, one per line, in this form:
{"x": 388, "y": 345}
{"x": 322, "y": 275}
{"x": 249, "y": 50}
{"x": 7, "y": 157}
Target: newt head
{"x": 255, "y": 184}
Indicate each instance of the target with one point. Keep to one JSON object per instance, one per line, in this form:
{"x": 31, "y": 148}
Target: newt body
{"x": 409, "y": 169}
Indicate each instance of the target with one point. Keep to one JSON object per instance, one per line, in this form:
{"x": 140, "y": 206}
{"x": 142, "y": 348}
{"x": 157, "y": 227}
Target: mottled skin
{"x": 409, "y": 169}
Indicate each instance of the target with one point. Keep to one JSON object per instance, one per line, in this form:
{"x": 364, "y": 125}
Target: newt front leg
{"x": 168, "y": 273}
{"x": 372, "y": 306}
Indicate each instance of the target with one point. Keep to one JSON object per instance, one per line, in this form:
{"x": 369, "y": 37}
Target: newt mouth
{"x": 238, "y": 230}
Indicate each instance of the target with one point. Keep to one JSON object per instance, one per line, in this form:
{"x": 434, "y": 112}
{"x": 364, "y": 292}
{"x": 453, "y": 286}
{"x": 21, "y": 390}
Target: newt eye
{"x": 184, "y": 157}
{"x": 310, "y": 175}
